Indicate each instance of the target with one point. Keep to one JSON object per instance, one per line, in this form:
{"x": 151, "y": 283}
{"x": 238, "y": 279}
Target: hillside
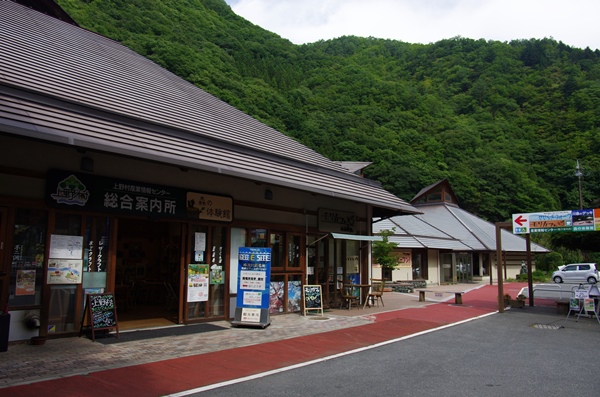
{"x": 504, "y": 122}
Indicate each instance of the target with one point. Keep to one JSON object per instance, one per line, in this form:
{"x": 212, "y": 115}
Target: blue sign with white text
{"x": 254, "y": 274}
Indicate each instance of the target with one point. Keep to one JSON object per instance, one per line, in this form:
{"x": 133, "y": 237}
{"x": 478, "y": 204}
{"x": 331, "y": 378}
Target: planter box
{"x": 516, "y": 303}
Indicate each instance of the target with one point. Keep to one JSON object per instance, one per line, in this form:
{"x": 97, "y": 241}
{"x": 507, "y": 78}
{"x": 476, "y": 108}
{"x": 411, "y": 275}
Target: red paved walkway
{"x": 176, "y": 375}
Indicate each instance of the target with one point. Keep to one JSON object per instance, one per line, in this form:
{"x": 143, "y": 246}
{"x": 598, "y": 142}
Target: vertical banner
{"x": 254, "y": 275}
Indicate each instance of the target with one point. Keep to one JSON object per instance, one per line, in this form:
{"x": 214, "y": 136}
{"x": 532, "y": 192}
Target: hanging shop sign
{"x": 70, "y": 190}
{"x": 254, "y": 275}
{"x": 334, "y": 221}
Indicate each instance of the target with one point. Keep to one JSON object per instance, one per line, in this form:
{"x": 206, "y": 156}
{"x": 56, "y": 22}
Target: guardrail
{"x": 557, "y": 288}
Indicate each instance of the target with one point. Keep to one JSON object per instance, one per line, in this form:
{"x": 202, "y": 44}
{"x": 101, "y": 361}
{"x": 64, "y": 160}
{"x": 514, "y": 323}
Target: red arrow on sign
{"x": 520, "y": 220}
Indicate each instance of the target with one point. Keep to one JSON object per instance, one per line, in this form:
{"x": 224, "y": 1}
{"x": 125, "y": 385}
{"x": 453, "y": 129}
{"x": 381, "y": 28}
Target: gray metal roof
{"x": 65, "y": 84}
{"x": 415, "y": 232}
{"x": 444, "y": 226}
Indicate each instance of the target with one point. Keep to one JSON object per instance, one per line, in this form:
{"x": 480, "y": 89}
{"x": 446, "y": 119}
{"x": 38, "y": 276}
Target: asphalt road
{"x": 521, "y": 352}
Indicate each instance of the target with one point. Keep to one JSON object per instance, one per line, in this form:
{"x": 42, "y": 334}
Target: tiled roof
{"x": 62, "y": 83}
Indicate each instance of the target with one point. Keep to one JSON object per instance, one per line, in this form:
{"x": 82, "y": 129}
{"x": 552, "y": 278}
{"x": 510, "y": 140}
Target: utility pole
{"x": 579, "y": 174}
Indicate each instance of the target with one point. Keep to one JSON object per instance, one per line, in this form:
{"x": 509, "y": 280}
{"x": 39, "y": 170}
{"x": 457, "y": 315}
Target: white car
{"x": 576, "y": 273}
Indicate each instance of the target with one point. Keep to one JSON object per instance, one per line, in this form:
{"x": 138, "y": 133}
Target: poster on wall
{"x": 64, "y": 271}
{"x": 217, "y": 274}
{"x": 25, "y": 282}
{"x": 253, "y": 287}
{"x": 66, "y": 247}
{"x": 197, "y": 290}
{"x": 352, "y": 263}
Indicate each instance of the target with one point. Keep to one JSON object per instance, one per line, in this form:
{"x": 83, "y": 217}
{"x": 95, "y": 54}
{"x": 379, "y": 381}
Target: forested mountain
{"x": 505, "y": 122}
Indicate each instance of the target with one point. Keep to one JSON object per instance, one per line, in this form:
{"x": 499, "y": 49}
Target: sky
{"x": 574, "y": 22}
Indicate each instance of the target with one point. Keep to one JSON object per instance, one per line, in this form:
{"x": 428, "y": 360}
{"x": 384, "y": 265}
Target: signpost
{"x": 585, "y": 220}
{"x": 582, "y": 220}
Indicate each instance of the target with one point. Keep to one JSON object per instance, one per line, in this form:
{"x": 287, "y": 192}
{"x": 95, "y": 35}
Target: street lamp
{"x": 579, "y": 174}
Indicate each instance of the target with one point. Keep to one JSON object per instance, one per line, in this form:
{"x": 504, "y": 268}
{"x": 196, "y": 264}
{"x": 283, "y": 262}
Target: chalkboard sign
{"x": 312, "y": 298}
{"x": 101, "y": 313}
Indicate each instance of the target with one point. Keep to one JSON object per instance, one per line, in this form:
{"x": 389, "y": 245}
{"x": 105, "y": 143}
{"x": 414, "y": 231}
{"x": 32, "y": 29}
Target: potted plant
{"x": 519, "y": 302}
{"x": 507, "y": 299}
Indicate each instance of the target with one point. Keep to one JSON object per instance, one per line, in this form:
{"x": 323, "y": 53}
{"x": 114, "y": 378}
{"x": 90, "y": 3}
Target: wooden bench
{"x": 457, "y": 295}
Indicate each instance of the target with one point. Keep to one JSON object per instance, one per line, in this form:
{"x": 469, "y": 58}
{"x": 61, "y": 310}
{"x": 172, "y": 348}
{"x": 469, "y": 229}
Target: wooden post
{"x": 529, "y": 272}
{"x": 499, "y": 227}
{"x": 499, "y": 267}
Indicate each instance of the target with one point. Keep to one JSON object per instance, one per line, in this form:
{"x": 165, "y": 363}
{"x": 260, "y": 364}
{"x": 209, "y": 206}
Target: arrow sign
{"x": 520, "y": 220}
{"x": 520, "y": 223}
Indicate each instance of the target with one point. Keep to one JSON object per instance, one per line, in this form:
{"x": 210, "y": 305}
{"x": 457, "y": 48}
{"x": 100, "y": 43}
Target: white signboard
{"x": 542, "y": 222}
{"x": 250, "y": 315}
{"x": 252, "y": 298}
{"x": 64, "y": 271}
{"x": 66, "y": 247}
{"x": 252, "y": 280}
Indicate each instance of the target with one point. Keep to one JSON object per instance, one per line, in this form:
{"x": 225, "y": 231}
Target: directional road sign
{"x": 587, "y": 220}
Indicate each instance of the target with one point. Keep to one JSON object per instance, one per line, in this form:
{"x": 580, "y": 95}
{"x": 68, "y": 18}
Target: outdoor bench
{"x": 457, "y": 295}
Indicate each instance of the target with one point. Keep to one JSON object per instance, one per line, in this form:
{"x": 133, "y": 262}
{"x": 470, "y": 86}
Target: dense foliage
{"x": 504, "y": 122}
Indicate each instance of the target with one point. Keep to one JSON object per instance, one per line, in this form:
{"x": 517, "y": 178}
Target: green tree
{"x": 383, "y": 251}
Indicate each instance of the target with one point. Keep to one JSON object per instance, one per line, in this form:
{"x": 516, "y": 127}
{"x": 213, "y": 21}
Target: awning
{"x": 356, "y": 237}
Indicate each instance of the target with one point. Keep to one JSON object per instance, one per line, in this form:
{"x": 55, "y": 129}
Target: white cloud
{"x": 573, "y": 22}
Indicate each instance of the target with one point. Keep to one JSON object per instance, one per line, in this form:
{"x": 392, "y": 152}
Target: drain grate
{"x": 546, "y": 326}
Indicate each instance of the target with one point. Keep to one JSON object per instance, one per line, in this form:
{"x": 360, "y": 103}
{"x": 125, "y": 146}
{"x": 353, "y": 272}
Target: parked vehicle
{"x": 577, "y": 273}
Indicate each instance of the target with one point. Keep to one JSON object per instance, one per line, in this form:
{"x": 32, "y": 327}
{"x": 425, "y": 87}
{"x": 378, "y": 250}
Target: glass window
{"x": 258, "y": 238}
{"x": 97, "y": 231}
{"x": 277, "y": 294}
{"x": 27, "y": 260}
{"x": 208, "y": 280}
{"x": 61, "y": 317}
{"x": 294, "y": 293}
{"x": 434, "y": 197}
{"x": 294, "y": 251}
{"x": 238, "y": 239}
{"x": 277, "y": 244}
{"x": 68, "y": 225}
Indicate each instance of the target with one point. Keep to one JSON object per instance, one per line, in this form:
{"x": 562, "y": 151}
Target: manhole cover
{"x": 546, "y": 326}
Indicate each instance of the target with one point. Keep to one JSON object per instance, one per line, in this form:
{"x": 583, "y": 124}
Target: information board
{"x": 254, "y": 274}
{"x": 313, "y": 298}
{"x": 100, "y": 313}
